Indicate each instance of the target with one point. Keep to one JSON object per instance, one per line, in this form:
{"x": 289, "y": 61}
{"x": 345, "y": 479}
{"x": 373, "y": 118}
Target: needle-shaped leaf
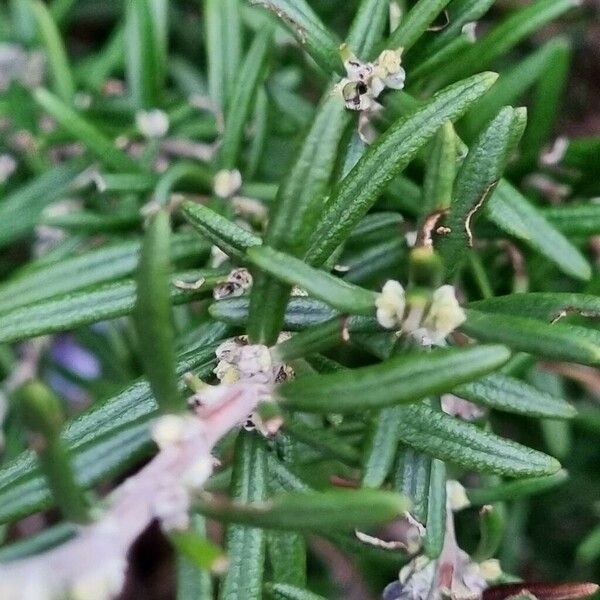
{"x": 512, "y": 395}
{"x": 464, "y": 444}
{"x": 435, "y": 521}
{"x": 415, "y": 23}
{"x": 381, "y": 446}
{"x": 152, "y": 313}
{"x": 555, "y": 341}
{"x": 41, "y": 282}
{"x": 513, "y": 213}
{"x": 306, "y": 26}
{"x": 313, "y": 511}
{"x": 479, "y": 174}
{"x": 145, "y": 55}
{"x": 231, "y": 238}
{"x": 287, "y": 555}
{"x": 546, "y": 306}
{"x": 367, "y": 27}
{"x": 344, "y": 296}
{"x": 78, "y": 127}
{"x": 295, "y": 212}
{"x": 20, "y": 210}
{"x": 398, "y": 380}
{"x": 63, "y": 83}
{"x": 284, "y": 591}
{"x": 412, "y": 476}
{"x": 386, "y": 158}
{"x": 245, "y": 544}
{"x": 244, "y": 91}
{"x": 441, "y": 171}
{"x": 511, "y": 490}
{"x": 575, "y": 218}
{"x": 90, "y": 306}
{"x": 501, "y": 38}
{"x": 512, "y": 84}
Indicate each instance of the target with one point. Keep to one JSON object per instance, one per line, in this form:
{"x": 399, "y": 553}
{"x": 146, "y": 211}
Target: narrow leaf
{"x": 340, "y": 294}
{"x": 513, "y": 213}
{"x": 399, "y": 380}
{"x": 283, "y": 591}
{"x": 464, "y": 444}
{"x": 386, "y": 158}
{"x": 367, "y": 27}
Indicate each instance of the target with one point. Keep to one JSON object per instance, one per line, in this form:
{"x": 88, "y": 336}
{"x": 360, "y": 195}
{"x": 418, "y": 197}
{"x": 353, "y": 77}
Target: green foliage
{"x": 131, "y": 245}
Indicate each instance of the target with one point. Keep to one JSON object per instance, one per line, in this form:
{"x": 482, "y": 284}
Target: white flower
{"x": 227, "y": 183}
{"x": 444, "y": 315}
{"x": 457, "y": 496}
{"x": 8, "y": 166}
{"x": 391, "y": 304}
{"x": 102, "y": 583}
{"x": 152, "y": 123}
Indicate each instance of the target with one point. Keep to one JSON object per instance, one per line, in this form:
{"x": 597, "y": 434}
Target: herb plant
{"x": 280, "y": 277}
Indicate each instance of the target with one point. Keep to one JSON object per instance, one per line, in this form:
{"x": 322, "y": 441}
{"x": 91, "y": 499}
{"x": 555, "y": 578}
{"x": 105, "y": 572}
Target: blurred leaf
{"x": 90, "y": 306}
{"x": 78, "y": 127}
{"x": 106, "y": 264}
{"x": 513, "y": 213}
{"x": 435, "y": 530}
{"x": 312, "y": 511}
{"x": 152, "y": 313}
{"x": 320, "y": 43}
{"x": 283, "y": 591}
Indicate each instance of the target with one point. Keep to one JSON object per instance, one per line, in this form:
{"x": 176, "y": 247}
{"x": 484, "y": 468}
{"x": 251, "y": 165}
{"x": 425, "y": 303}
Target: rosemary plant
{"x": 307, "y": 286}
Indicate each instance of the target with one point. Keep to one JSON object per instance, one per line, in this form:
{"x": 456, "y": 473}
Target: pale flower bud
{"x": 152, "y": 123}
{"x": 445, "y": 314}
{"x": 227, "y": 183}
{"x": 457, "y": 496}
{"x": 391, "y": 304}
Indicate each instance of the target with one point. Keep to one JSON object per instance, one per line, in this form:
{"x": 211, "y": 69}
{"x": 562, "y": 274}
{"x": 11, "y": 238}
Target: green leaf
{"x": 313, "y": 511}
{"x": 196, "y": 548}
{"x": 340, "y": 294}
{"x": 91, "y": 268}
{"x": 555, "y": 341}
{"x": 287, "y": 555}
{"x": 513, "y": 213}
{"x": 38, "y": 542}
{"x": 501, "y": 38}
{"x": 223, "y": 48}
{"x": 466, "y": 445}
{"x": 386, "y": 158}
{"x": 399, "y": 380}
{"x": 412, "y": 477}
{"x": 511, "y": 490}
{"x": 145, "y": 35}
{"x": 152, "y": 313}
{"x": 106, "y": 439}
{"x": 381, "y": 446}
{"x": 284, "y": 591}
{"x": 243, "y": 94}
{"x": 436, "y": 510}
{"x": 231, "y": 238}
{"x": 492, "y": 527}
{"x": 246, "y": 544}
{"x": 58, "y": 63}
{"x": 479, "y": 174}
{"x": 512, "y": 395}
{"x": 415, "y": 23}
{"x": 193, "y": 580}
{"x": 78, "y": 127}
{"x": 546, "y": 306}
{"x": 574, "y": 218}
{"x": 20, "y": 210}
{"x": 295, "y": 212}
{"x": 441, "y": 171}
{"x": 367, "y": 27}
{"x": 90, "y": 306}
{"x": 512, "y": 84}
{"x": 320, "y": 43}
